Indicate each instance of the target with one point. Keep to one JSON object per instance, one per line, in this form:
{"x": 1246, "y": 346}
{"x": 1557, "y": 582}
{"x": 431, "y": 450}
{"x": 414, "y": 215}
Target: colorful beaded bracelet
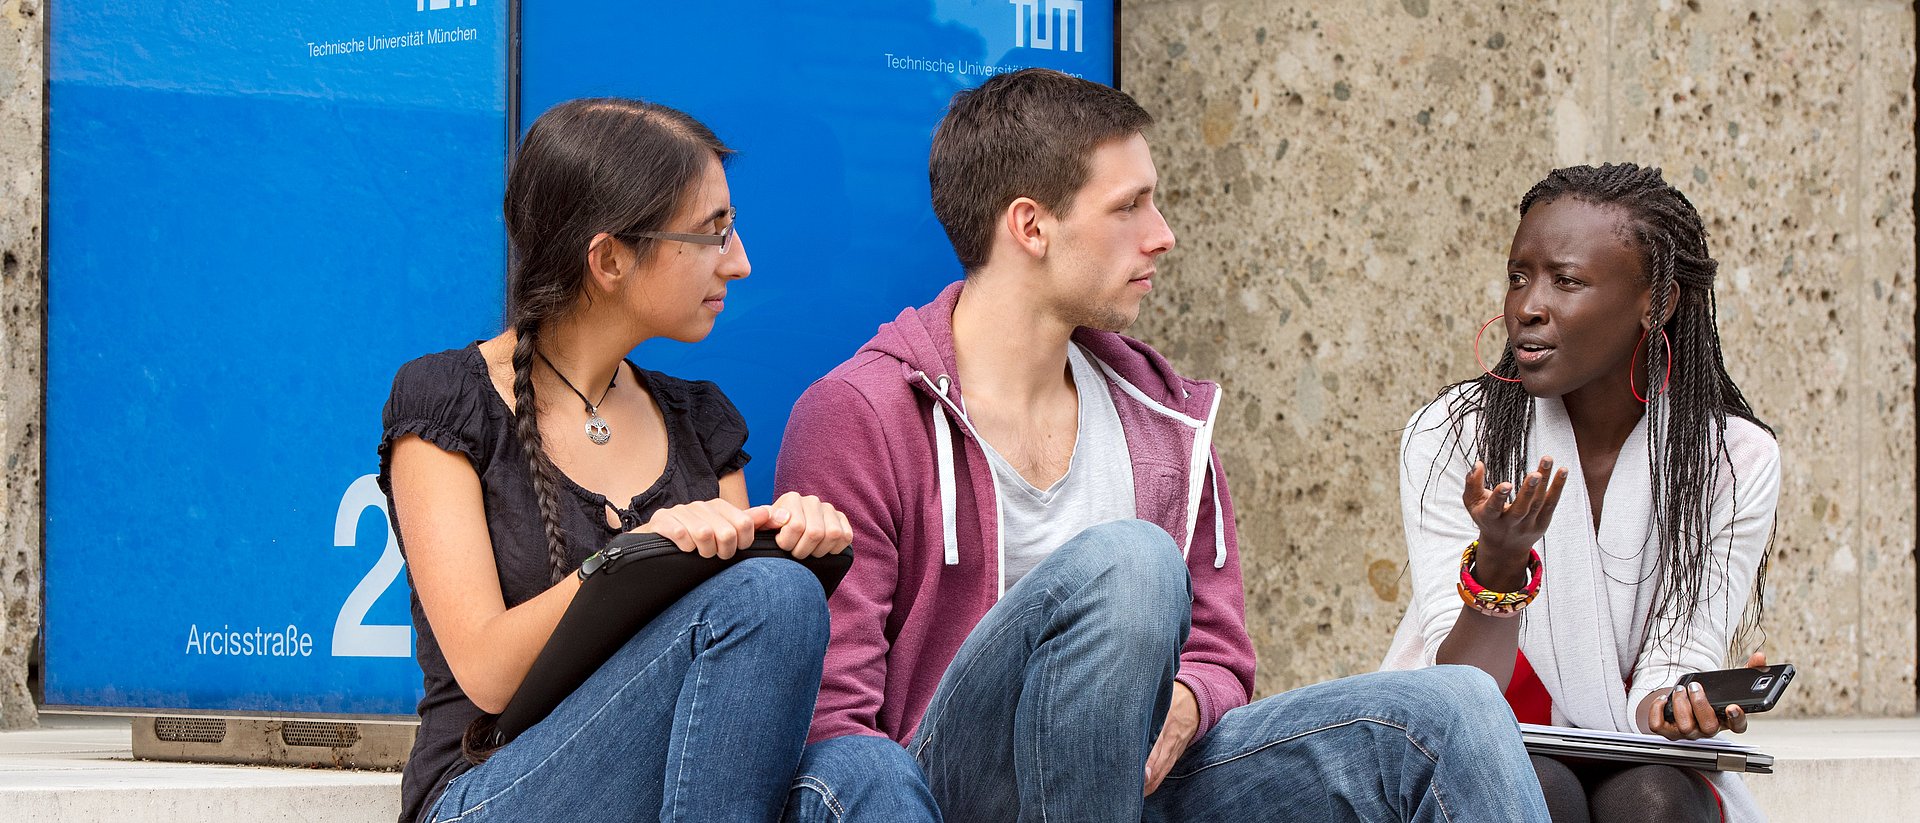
{"x": 1498, "y": 604}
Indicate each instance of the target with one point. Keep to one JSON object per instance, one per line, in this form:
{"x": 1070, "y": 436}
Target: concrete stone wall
{"x": 22, "y": 142}
{"x": 1344, "y": 176}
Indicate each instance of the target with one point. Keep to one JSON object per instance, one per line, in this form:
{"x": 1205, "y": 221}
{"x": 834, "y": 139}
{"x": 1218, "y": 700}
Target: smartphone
{"x": 1753, "y": 690}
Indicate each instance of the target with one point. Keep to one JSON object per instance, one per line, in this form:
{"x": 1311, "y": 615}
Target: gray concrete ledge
{"x": 1854, "y": 769}
{"x": 82, "y": 768}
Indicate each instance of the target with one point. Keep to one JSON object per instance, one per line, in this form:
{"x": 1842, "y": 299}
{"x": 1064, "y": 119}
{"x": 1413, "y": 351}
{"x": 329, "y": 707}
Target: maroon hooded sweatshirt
{"x": 883, "y": 437}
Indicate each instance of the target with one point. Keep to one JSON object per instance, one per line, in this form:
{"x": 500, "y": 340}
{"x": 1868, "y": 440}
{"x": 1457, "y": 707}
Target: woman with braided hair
{"x": 1612, "y": 372}
{"x": 509, "y": 461}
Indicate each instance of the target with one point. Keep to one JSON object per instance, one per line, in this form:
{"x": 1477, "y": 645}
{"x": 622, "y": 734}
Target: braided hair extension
{"x": 1687, "y": 422}
{"x": 586, "y": 167}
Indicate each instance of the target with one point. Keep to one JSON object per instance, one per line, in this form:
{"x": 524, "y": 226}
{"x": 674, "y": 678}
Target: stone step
{"x": 81, "y": 768}
{"x": 1849, "y": 768}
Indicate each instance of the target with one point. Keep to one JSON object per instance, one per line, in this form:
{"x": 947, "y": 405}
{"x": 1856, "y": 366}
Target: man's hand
{"x": 1183, "y": 719}
{"x": 809, "y": 526}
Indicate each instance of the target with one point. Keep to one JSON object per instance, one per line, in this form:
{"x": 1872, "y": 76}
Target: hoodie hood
{"x": 921, "y": 339}
{"x": 1144, "y": 382}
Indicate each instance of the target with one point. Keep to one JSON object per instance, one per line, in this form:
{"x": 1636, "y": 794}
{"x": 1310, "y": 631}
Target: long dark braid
{"x": 586, "y": 167}
{"x": 1686, "y": 434}
{"x": 526, "y": 424}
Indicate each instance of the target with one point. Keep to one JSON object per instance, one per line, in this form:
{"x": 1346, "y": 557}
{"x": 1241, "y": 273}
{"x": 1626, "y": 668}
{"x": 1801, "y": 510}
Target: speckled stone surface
{"x": 1883, "y": 294}
{"x": 22, "y": 80}
{"x": 1343, "y": 179}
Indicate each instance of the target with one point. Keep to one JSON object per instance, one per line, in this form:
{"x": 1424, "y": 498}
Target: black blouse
{"x": 448, "y": 399}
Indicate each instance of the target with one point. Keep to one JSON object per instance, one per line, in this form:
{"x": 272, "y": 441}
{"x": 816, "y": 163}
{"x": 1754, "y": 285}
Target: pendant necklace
{"x": 597, "y": 430}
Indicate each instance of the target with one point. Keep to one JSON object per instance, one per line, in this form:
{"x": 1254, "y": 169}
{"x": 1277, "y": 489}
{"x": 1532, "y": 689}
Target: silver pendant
{"x": 597, "y": 430}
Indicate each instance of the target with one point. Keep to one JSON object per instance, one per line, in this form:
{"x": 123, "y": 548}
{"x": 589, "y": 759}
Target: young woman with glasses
{"x": 1588, "y": 590}
{"x": 510, "y": 461}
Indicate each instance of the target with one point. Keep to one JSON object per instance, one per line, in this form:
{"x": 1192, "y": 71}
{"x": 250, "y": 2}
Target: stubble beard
{"x": 1100, "y": 309}
{"x": 1100, "y": 316}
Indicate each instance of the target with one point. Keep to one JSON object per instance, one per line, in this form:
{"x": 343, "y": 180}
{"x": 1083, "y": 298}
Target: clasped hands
{"x": 809, "y": 526}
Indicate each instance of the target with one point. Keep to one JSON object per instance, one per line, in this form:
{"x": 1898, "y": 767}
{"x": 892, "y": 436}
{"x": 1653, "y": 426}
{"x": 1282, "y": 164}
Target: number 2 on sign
{"x": 352, "y": 635}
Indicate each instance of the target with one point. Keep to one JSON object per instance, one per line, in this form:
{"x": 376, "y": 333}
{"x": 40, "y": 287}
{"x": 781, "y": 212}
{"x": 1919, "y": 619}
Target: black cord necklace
{"x": 597, "y": 430}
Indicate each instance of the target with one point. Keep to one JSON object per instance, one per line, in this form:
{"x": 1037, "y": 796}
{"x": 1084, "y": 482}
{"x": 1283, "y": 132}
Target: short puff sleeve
{"x": 720, "y": 427}
{"x": 439, "y": 398}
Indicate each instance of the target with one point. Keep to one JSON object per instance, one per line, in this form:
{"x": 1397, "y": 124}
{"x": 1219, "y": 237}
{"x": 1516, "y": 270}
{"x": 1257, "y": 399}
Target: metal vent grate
{"x": 189, "y": 729}
{"x": 332, "y": 735}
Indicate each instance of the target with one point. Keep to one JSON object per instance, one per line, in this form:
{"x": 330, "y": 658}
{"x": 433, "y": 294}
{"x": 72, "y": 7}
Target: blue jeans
{"x": 702, "y": 716}
{"x": 1052, "y": 704}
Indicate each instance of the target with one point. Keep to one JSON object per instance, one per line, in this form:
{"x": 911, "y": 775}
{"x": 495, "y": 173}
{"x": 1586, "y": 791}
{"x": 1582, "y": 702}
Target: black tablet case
{"x": 642, "y": 576}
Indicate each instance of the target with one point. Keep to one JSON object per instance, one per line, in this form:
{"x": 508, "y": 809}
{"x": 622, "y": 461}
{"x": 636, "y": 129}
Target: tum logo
{"x": 436, "y": 5}
{"x": 1049, "y": 20}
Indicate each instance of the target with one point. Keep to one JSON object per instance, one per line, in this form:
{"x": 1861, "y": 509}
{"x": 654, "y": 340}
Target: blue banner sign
{"x": 258, "y": 211}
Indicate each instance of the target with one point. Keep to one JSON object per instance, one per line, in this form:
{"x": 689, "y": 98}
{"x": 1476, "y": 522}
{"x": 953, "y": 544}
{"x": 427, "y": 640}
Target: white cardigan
{"x": 1583, "y": 634}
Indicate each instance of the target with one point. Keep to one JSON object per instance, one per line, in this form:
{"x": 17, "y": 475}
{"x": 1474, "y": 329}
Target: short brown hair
{"x": 1027, "y": 133}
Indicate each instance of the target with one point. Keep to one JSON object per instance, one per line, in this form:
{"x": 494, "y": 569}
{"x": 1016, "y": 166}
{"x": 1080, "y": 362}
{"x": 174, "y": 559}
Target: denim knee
{"x": 1454, "y": 695}
{"x": 1468, "y": 686}
{"x": 860, "y": 757}
{"x": 859, "y": 777}
{"x": 1131, "y": 578}
{"x": 772, "y": 594}
{"x": 1132, "y": 558}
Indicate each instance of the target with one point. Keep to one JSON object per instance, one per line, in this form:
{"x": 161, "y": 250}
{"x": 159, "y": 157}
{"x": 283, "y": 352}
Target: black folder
{"x": 640, "y": 576}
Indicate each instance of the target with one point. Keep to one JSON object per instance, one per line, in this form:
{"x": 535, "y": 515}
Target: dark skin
{"x": 1577, "y": 304}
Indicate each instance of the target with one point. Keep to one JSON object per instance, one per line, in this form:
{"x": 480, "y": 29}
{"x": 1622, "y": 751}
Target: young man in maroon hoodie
{"x": 1046, "y": 610}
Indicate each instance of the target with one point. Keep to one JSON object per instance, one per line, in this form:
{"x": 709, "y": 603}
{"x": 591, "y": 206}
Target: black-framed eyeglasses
{"x": 723, "y": 239}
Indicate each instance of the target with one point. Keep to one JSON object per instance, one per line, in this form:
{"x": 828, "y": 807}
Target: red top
{"x": 1527, "y": 695}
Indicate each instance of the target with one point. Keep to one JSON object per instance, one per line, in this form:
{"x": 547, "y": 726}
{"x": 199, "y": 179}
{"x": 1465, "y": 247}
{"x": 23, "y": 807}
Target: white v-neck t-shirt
{"x": 1097, "y": 488}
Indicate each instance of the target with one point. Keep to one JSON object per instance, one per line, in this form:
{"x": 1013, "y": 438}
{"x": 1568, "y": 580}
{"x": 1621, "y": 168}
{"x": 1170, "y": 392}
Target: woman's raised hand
{"x": 1509, "y": 529}
{"x": 809, "y": 526}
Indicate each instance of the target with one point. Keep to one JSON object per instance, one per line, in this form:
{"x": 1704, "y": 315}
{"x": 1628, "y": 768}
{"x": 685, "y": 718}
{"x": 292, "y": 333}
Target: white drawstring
{"x": 943, "y": 448}
{"x": 1197, "y": 463}
{"x": 1219, "y": 519}
{"x": 1201, "y": 469}
{"x": 1197, "y": 468}
{"x": 1141, "y": 397}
